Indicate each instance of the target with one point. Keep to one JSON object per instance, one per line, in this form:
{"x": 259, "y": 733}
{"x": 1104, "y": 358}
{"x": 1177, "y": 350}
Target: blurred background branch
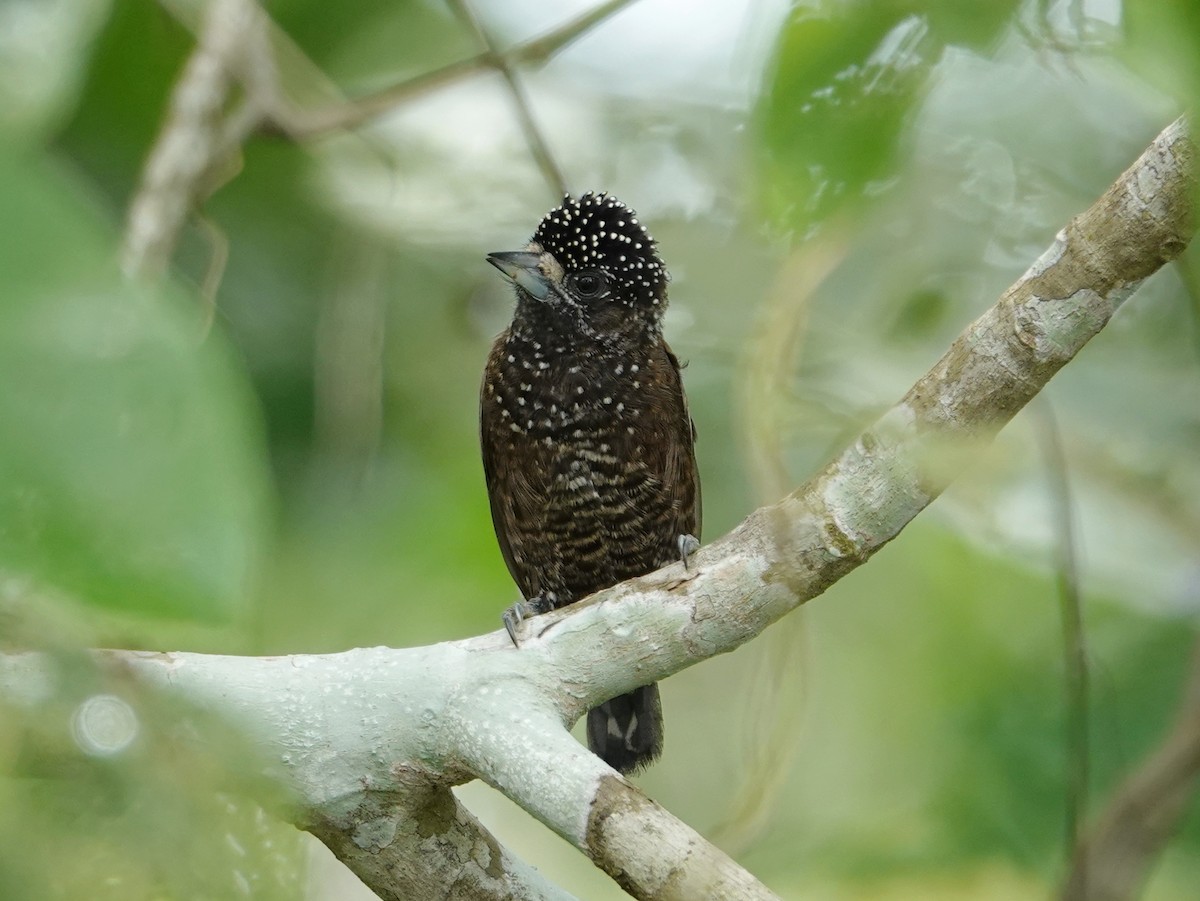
{"x": 1075, "y": 663}
{"x": 774, "y": 718}
{"x": 192, "y": 142}
{"x": 236, "y": 40}
{"x": 306, "y": 124}
{"x": 538, "y": 145}
{"x": 1114, "y": 860}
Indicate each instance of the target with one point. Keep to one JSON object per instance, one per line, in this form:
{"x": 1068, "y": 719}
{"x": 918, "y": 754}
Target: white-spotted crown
{"x": 597, "y": 231}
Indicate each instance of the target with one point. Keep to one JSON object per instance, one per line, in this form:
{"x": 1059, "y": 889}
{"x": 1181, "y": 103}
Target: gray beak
{"x": 522, "y": 267}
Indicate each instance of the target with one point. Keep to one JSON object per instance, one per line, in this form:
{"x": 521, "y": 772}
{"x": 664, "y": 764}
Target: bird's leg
{"x": 522, "y": 610}
{"x": 688, "y": 545}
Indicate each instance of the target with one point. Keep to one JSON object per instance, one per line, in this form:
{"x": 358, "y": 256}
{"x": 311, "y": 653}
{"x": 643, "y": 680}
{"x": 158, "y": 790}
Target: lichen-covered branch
{"x": 432, "y": 849}
{"x": 371, "y": 773}
{"x": 353, "y": 746}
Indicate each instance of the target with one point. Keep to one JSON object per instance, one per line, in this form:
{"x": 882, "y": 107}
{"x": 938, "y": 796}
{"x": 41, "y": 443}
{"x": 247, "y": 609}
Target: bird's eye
{"x": 587, "y": 284}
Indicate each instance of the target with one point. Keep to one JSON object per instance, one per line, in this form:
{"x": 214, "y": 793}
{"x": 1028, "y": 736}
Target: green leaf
{"x": 845, "y": 77}
{"x": 1162, "y": 40}
{"x": 131, "y": 471}
{"x": 831, "y": 115}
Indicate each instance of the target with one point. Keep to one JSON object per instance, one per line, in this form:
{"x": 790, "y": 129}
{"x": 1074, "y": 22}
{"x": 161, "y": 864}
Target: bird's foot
{"x": 688, "y": 545}
{"x": 522, "y": 610}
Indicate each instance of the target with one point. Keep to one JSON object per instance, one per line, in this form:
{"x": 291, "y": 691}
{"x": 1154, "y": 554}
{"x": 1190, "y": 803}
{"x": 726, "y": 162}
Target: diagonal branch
{"x": 196, "y": 148}
{"x": 372, "y": 770}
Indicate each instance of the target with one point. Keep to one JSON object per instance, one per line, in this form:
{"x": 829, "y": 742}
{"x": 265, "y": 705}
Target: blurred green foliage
{"x": 305, "y": 478}
{"x": 133, "y": 468}
{"x": 843, "y": 86}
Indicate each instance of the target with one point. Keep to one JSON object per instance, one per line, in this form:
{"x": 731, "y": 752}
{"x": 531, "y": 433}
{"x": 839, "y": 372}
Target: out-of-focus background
{"x": 838, "y": 188}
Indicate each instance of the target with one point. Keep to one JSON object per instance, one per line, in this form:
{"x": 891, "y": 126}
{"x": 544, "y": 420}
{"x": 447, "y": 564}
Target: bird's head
{"x": 591, "y": 270}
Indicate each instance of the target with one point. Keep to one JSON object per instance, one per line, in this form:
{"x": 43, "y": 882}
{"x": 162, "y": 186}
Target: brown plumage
{"x": 587, "y": 443}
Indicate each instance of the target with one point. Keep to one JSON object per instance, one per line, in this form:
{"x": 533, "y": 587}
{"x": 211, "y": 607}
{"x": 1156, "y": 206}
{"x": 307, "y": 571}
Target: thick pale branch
{"x": 518, "y": 746}
{"x": 371, "y": 739}
{"x": 435, "y": 849}
{"x": 356, "y": 740}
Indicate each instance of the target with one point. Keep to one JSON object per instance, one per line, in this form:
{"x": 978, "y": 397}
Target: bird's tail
{"x": 627, "y": 732}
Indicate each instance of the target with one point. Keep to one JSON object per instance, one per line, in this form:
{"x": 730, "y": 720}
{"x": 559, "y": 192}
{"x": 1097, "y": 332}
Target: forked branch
{"x": 370, "y": 774}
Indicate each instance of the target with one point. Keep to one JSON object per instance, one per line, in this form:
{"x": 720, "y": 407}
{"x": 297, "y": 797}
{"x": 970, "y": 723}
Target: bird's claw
{"x": 512, "y": 618}
{"x": 688, "y": 545}
{"x": 522, "y": 610}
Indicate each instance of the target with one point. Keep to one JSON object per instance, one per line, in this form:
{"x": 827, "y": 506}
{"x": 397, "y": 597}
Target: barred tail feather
{"x": 627, "y": 732}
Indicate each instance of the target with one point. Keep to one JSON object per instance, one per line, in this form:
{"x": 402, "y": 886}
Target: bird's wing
{"x": 517, "y": 472}
{"x": 672, "y": 458}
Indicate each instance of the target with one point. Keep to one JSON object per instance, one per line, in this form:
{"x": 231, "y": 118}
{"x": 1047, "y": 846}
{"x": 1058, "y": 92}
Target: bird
{"x": 587, "y": 442}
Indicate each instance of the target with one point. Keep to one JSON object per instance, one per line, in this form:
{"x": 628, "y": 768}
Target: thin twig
{"x": 538, "y": 145}
{"x": 218, "y": 244}
{"x": 539, "y": 50}
{"x": 1075, "y": 669}
{"x": 302, "y": 125}
{"x": 306, "y": 124}
{"x": 1191, "y": 285}
{"x": 348, "y": 362}
{"x": 768, "y": 366}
